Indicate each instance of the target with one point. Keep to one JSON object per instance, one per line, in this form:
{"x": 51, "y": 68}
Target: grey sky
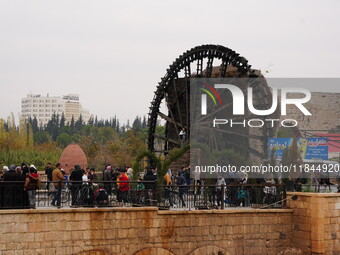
{"x": 113, "y": 53}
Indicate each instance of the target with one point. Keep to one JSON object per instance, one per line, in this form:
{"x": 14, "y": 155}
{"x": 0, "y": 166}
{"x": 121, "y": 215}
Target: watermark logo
{"x": 213, "y": 95}
{"x": 239, "y": 99}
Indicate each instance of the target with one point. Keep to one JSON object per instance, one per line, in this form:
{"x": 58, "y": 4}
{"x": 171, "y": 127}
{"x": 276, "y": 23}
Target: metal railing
{"x": 130, "y": 193}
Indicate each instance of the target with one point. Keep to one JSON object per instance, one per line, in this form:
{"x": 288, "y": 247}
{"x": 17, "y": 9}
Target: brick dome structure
{"x": 73, "y": 155}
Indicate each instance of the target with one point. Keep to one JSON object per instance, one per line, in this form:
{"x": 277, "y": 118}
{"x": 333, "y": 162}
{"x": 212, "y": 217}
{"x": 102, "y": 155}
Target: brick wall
{"x": 316, "y": 220}
{"x": 144, "y": 231}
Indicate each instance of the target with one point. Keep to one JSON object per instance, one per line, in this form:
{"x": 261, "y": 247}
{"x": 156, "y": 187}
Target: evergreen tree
{"x": 114, "y": 122}
{"x": 79, "y": 124}
{"x": 107, "y": 123}
{"x": 62, "y": 120}
{"x": 35, "y": 127}
{"x": 96, "y": 122}
{"x": 52, "y": 126}
{"x": 144, "y": 123}
{"x": 117, "y": 127}
{"x": 72, "y": 125}
{"x": 137, "y": 124}
{"x": 90, "y": 122}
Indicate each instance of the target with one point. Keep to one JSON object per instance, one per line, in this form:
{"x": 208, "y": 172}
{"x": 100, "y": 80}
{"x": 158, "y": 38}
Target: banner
{"x": 309, "y": 148}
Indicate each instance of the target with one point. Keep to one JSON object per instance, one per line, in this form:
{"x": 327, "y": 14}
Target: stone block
{"x": 76, "y": 235}
{"x": 317, "y": 246}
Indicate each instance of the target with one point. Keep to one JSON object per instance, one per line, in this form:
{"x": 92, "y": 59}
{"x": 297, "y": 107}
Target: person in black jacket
{"x": 48, "y": 171}
{"x": 181, "y": 182}
{"x": 76, "y": 179}
{"x": 11, "y": 197}
{"x": 150, "y": 185}
{"x": 107, "y": 178}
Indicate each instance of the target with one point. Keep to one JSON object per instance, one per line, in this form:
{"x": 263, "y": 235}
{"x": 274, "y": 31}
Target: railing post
{"x": 284, "y": 204}
{"x": 59, "y": 195}
{"x": 222, "y": 196}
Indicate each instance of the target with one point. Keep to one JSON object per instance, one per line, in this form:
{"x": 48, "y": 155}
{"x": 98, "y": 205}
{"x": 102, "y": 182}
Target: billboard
{"x": 309, "y": 148}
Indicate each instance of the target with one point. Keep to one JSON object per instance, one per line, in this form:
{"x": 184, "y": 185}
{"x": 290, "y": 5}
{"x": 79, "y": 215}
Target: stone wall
{"x": 325, "y": 110}
{"x": 142, "y": 231}
{"x": 311, "y": 225}
{"x": 316, "y": 220}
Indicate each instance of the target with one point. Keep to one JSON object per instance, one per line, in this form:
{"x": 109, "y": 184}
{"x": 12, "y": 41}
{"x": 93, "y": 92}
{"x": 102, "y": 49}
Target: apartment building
{"x": 43, "y": 107}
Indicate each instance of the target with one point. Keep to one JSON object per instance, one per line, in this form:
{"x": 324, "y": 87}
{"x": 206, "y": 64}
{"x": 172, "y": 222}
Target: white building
{"x": 43, "y": 107}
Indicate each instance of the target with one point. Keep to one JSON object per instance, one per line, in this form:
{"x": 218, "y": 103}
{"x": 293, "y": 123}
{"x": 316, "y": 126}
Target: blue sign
{"x": 309, "y": 148}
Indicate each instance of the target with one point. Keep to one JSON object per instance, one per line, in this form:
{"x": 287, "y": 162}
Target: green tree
{"x": 42, "y": 137}
{"x": 63, "y": 140}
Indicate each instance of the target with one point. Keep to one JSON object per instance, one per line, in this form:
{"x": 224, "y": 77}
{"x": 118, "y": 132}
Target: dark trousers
{"x": 180, "y": 195}
{"x": 75, "y": 192}
{"x": 168, "y": 195}
{"x": 122, "y": 195}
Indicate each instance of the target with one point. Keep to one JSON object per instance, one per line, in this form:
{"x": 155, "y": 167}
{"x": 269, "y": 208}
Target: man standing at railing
{"x": 182, "y": 136}
{"x": 220, "y": 197}
{"x": 57, "y": 176}
{"x": 181, "y": 182}
{"x": 107, "y": 178}
{"x": 32, "y": 183}
{"x": 168, "y": 187}
{"x": 150, "y": 186}
{"x": 76, "y": 178}
{"x": 11, "y": 192}
{"x": 48, "y": 171}
{"x": 123, "y": 187}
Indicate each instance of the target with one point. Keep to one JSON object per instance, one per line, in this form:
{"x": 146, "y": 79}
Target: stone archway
{"x": 209, "y": 250}
{"x": 153, "y": 251}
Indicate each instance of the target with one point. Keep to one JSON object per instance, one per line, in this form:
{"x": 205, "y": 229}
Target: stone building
{"x": 73, "y": 155}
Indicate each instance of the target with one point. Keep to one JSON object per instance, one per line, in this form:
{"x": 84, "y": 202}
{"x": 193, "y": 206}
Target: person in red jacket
{"x": 32, "y": 183}
{"x": 123, "y": 186}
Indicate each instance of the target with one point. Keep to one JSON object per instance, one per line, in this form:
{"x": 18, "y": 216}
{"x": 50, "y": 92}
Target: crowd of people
{"x": 19, "y": 185}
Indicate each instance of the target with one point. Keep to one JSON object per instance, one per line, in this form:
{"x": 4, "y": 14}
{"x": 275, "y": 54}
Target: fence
{"x": 104, "y": 194}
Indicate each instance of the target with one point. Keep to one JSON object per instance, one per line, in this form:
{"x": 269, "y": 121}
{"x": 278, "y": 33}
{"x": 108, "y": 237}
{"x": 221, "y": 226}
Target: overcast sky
{"x": 113, "y": 53}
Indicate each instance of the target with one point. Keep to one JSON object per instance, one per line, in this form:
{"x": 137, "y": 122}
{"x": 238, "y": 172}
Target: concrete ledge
{"x": 140, "y": 209}
{"x": 78, "y": 210}
{"x": 312, "y": 194}
{"x": 227, "y": 211}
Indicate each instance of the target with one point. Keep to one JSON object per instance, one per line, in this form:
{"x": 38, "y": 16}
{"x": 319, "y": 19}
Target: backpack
{"x": 101, "y": 197}
{"x": 241, "y": 194}
{"x": 87, "y": 195}
{"x": 32, "y": 184}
